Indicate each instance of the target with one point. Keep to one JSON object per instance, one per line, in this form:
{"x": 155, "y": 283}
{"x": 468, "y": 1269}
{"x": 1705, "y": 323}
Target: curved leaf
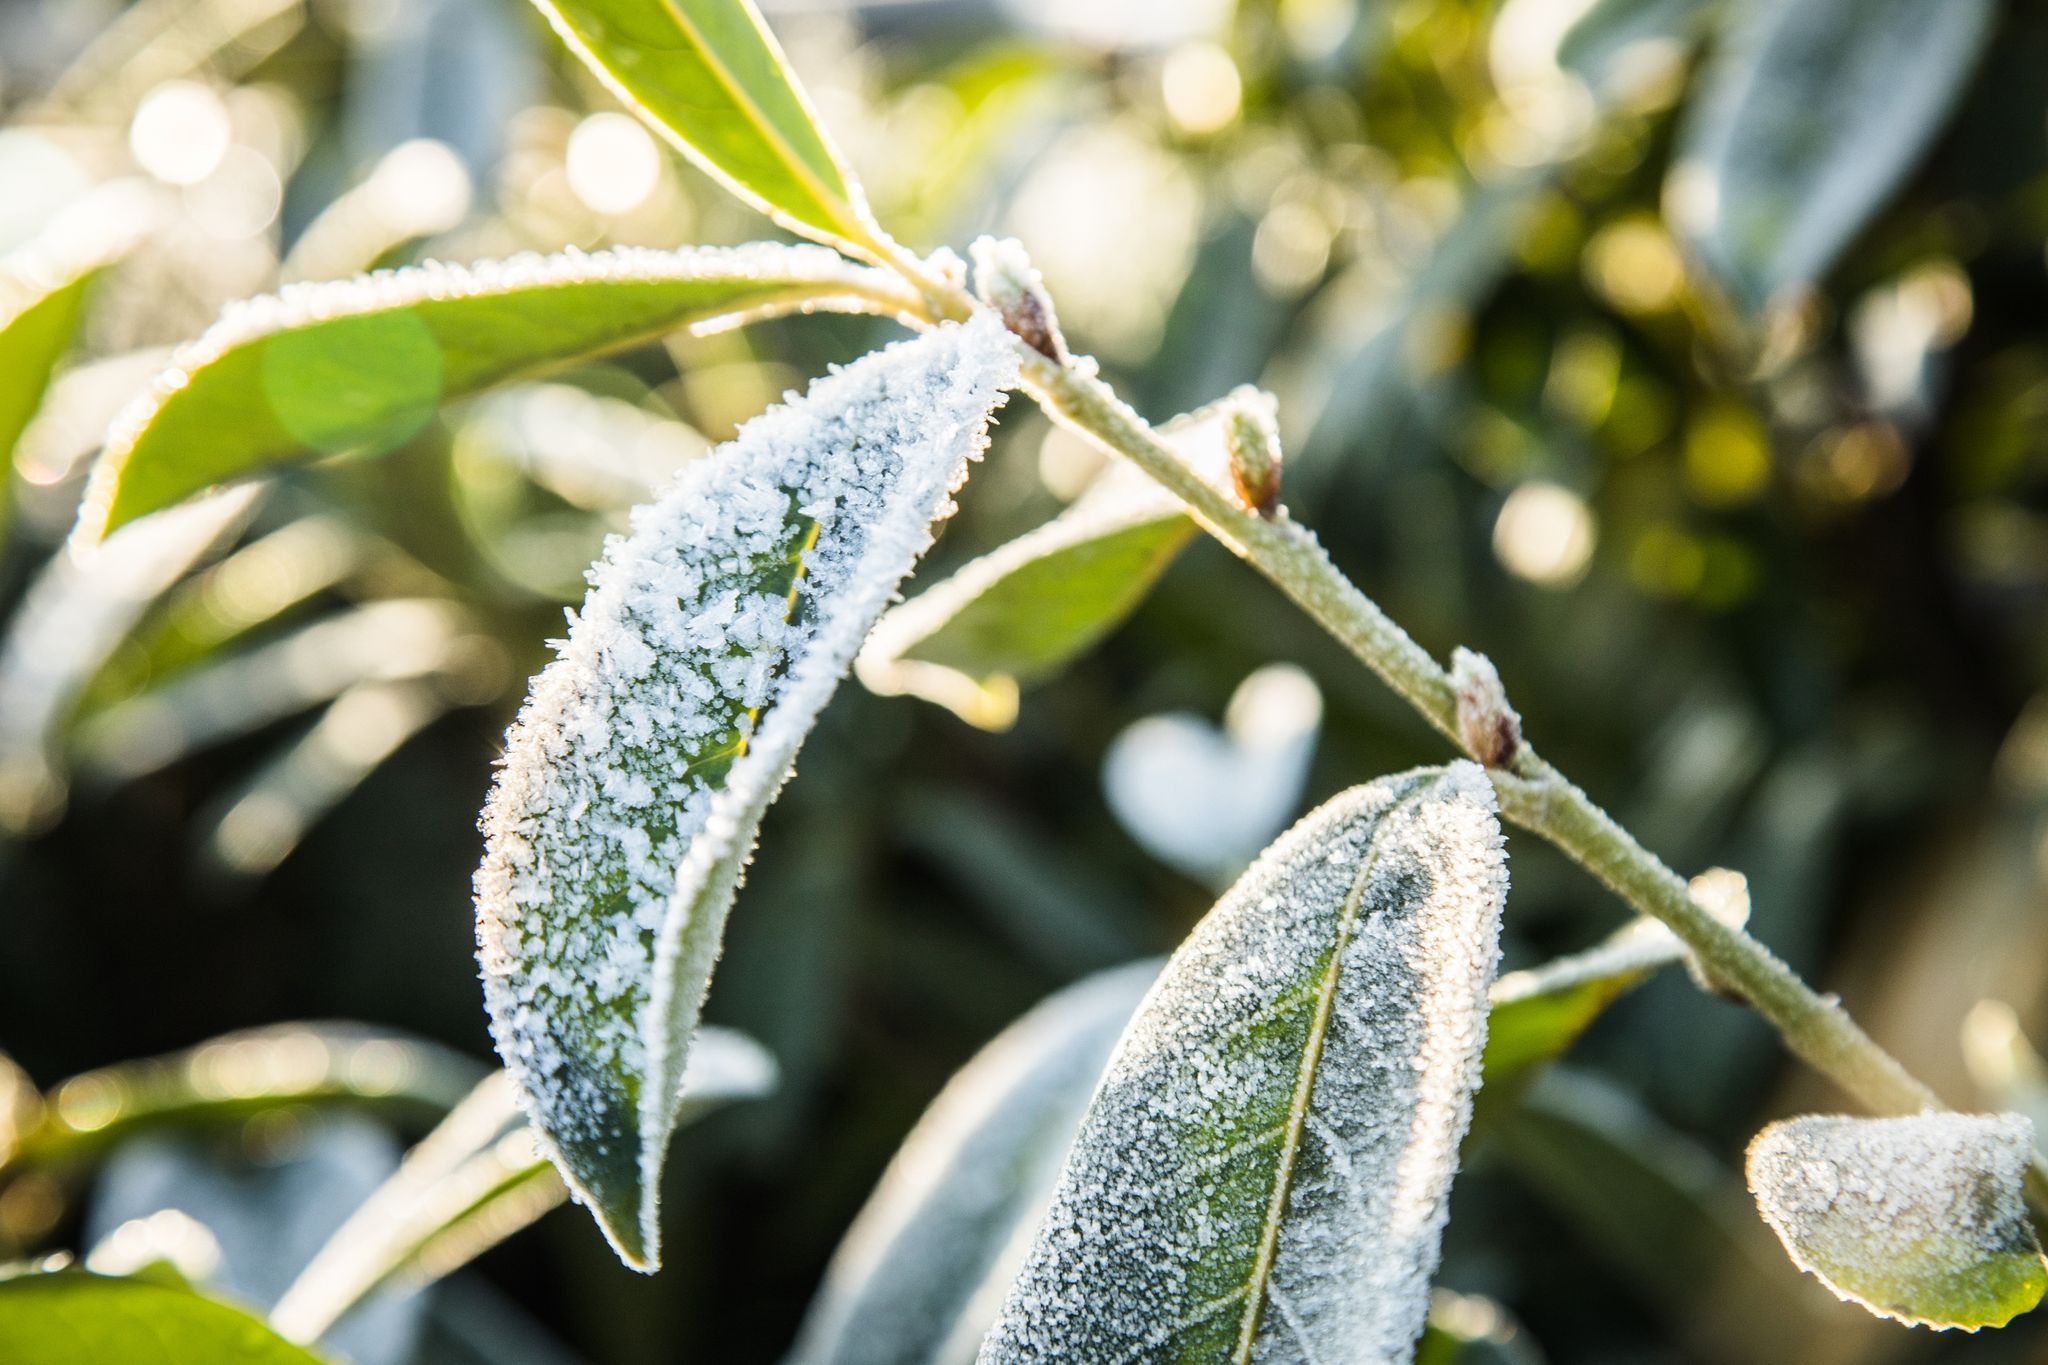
{"x": 708, "y": 75}
{"x": 364, "y": 363}
{"x": 1812, "y": 113}
{"x": 471, "y": 1183}
{"x": 638, "y": 772}
{"x": 922, "y": 1270}
{"x": 1017, "y": 614}
{"x": 75, "y": 1319}
{"x": 1264, "y": 1170}
{"x": 1922, "y": 1218}
{"x": 42, "y": 292}
{"x": 1539, "y": 1012}
{"x": 1020, "y": 613}
{"x": 239, "y": 1074}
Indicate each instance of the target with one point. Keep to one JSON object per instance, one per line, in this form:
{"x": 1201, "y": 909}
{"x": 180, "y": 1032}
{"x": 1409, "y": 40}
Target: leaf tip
{"x": 1921, "y": 1219}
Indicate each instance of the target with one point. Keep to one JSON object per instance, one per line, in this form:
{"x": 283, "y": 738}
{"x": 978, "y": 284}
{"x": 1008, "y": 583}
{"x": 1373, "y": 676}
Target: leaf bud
{"x": 1488, "y": 726}
{"x": 1006, "y": 281}
{"x": 1251, "y": 435}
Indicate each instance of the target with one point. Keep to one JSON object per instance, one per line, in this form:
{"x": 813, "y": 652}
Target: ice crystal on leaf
{"x": 637, "y": 773}
{"x": 1263, "y": 1172}
{"x": 1921, "y": 1218}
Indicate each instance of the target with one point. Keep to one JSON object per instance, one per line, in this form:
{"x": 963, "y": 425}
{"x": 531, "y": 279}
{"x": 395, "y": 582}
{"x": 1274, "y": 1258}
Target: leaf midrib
{"x": 1257, "y": 1282}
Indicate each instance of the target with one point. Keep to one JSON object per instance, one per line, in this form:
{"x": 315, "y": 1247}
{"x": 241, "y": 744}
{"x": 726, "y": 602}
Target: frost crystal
{"x": 1263, "y": 1173}
{"x": 636, "y": 775}
{"x": 1919, "y": 1218}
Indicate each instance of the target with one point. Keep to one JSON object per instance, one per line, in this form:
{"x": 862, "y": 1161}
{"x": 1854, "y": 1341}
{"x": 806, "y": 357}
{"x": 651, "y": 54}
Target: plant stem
{"x": 1532, "y": 794}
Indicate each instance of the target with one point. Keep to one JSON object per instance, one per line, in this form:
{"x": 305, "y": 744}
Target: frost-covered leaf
{"x": 1538, "y": 1012}
{"x": 75, "y": 1319}
{"x": 922, "y": 1270}
{"x": 364, "y": 363}
{"x": 1811, "y": 114}
{"x": 471, "y": 1183}
{"x": 1018, "y": 614}
{"x": 1263, "y": 1173}
{"x": 638, "y": 772}
{"x": 1921, "y": 1218}
{"x": 708, "y": 75}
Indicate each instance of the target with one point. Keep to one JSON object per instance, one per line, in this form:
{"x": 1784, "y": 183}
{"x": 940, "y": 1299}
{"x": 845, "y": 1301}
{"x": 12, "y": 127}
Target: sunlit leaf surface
{"x": 638, "y": 772}
{"x": 1265, "y": 1169}
{"x": 708, "y": 74}
{"x": 75, "y": 1319}
{"x": 364, "y": 363}
{"x": 1922, "y": 1219}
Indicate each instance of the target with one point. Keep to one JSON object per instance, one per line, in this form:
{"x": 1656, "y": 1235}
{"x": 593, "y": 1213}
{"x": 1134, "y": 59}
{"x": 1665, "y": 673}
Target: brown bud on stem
{"x": 1252, "y": 436}
{"x": 1006, "y": 281}
{"x": 1487, "y": 725}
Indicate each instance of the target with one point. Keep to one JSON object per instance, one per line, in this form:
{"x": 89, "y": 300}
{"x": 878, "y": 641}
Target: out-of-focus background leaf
{"x": 1759, "y": 544}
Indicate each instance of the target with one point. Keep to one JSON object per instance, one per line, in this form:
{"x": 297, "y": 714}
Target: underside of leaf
{"x": 1263, "y": 1173}
{"x": 1922, "y": 1219}
{"x": 637, "y": 773}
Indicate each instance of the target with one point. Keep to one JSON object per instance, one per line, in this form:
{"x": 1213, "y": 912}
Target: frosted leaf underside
{"x": 636, "y": 775}
{"x": 1263, "y": 1173}
{"x": 1922, "y": 1218}
{"x": 923, "y": 1268}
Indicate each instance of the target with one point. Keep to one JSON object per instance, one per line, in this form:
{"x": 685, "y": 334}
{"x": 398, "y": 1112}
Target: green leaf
{"x": 1922, "y": 1218}
{"x": 471, "y": 1183}
{"x": 75, "y": 1319}
{"x": 1539, "y": 1012}
{"x": 241, "y": 1074}
{"x": 638, "y": 772}
{"x": 707, "y": 74}
{"x": 1018, "y": 614}
{"x": 365, "y": 363}
{"x": 42, "y": 297}
{"x": 1811, "y": 114}
{"x": 923, "y": 1269}
{"x": 1264, "y": 1171}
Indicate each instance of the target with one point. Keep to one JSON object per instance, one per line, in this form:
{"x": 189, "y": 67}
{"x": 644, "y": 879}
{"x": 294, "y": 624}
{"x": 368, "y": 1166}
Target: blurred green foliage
{"x": 1766, "y": 571}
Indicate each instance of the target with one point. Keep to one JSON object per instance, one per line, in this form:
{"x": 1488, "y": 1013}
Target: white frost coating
{"x": 1921, "y": 1218}
{"x": 614, "y": 842}
{"x": 811, "y": 272}
{"x": 920, "y": 1274}
{"x": 1263, "y": 1173}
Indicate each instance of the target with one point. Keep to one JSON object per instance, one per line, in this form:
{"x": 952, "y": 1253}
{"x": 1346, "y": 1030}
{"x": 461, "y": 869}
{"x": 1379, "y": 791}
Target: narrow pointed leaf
{"x": 923, "y": 1268}
{"x": 1263, "y": 1173}
{"x": 638, "y": 772}
{"x": 1811, "y": 115}
{"x": 365, "y": 363}
{"x": 1922, "y": 1218}
{"x": 708, "y": 75}
{"x": 1018, "y": 614}
{"x": 76, "y": 1319}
